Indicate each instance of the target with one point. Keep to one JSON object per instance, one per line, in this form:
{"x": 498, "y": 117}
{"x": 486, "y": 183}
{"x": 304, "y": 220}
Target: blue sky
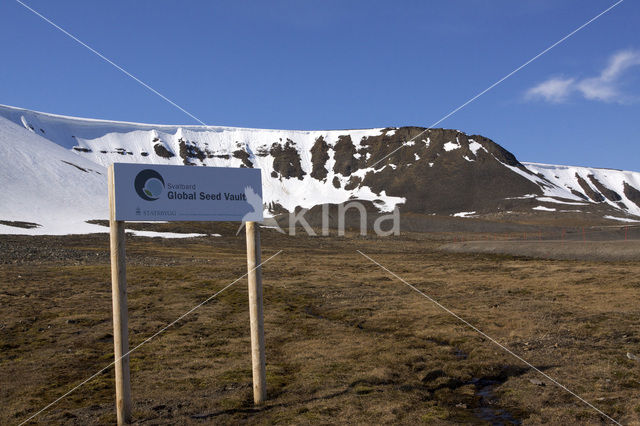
{"x": 299, "y": 64}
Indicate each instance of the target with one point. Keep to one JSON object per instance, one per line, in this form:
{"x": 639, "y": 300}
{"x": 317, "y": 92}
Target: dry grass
{"x": 345, "y": 341}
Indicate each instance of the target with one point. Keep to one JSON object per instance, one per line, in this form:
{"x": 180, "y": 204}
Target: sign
{"x": 148, "y": 192}
{"x": 172, "y": 193}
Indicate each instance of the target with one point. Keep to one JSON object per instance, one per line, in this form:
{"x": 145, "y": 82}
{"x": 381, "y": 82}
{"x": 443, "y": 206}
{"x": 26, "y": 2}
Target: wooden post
{"x": 120, "y": 315}
{"x": 256, "y": 314}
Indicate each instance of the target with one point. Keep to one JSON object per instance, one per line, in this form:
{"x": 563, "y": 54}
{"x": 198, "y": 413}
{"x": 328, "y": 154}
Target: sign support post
{"x": 256, "y": 316}
{"x": 120, "y": 314}
{"x": 178, "y": 193}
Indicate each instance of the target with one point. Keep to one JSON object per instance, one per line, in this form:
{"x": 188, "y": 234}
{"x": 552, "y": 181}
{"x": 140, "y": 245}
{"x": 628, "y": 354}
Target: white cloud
{"x": 619, "y": 63}
{"x": 553, "y": 90}
{"x": 603, "y": 87}
{"x": 597, "y": 89}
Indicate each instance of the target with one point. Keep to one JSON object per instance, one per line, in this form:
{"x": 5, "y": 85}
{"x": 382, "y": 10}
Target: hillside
{"x": 54, "y": 170}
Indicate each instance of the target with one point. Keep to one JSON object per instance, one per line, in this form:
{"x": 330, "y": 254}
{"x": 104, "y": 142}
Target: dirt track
{"x": 562, "y": 250}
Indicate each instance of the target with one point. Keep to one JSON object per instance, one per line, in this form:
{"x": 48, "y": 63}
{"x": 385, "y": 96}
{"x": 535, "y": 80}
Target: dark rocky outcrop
{"x": 344, "y": 156}
{"x": 81, "y": 149}
{"x": 434, "y": 180}
{"x": 609, "y": 193}
{"x": 76, "y": 166}
{"x": 286, "y": 160}
{"x": 579, "y": 194}
{"x": 353, "y": 183}
{"x": 223, "y": 156}
{"x": 244, "y": 156}
{"x": 162, "y": 151}
{"x": 632, "y": 194}
{"x": 383, "y": 149}
{"x": 123, "y": 151}
{"x": 319, "y": 157}
{"x": 190, "y": 151}
{"x": 594, "y": 195}
{"x": 262, "y": 151}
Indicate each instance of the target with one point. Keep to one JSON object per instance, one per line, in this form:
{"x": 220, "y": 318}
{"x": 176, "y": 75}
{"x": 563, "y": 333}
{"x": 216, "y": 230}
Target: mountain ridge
{"x": 444, "y": 171}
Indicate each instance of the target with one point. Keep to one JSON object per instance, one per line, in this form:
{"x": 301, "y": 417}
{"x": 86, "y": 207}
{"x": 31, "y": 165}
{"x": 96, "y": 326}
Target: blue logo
{"x": 149, "y": 184}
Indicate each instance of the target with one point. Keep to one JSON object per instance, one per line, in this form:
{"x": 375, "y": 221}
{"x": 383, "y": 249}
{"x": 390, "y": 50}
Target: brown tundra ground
{"x": 346, "y": 341}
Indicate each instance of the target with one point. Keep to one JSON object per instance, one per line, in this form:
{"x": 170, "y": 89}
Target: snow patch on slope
{"x": 95, "y": 144}
{"x": 553, "y": 200}
{"x": 46, "y": 184}
{"x": 463, "y": 214}
{"x": 475, "y": 147}
{"x": 450, "y": 146}
{"x": 565, "y": 178}
{"x": 621, "y": 219}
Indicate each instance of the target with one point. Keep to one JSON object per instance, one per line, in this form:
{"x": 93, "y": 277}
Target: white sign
{"x": 149, "y": 192}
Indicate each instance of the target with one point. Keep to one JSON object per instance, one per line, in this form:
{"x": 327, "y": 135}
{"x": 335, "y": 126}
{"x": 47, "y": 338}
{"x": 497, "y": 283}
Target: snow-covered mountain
{"x": 53, "y": 171}
{"x": 46, "y": 184}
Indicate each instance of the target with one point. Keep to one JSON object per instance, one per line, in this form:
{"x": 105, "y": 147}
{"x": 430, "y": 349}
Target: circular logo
{"x": 149, "y": 184}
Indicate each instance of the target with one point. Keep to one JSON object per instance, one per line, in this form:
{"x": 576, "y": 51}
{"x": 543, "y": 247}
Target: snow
{"x": 553, "y": 200}
{"x": 153, "y": 234}
{"x": 524, "y": 197}
{"x": 564, "y": 179}
{"x": 463, "y": 214}
{"x": 475, "y": 147}
{"x": 558, "y": 182}
{"x": 544, "y": 209}
{"x": 46, "y": 181}
{"x": 467, "y": 158}
{"x": 416, "y": 155}
{"x": 361, "y": 173}
{"x": 43, "y": 183}
{"x": 621, "y": 219}
{"x": 73, "y": 197}
{"x": 450, "y": 146}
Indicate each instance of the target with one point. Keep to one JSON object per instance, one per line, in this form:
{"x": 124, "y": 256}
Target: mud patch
{"x": 487, "y": 409}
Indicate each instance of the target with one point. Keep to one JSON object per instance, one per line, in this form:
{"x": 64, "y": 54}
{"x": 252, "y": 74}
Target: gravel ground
{"x": 21, "y": 249}
{"x": 92, "y": 249}
{"x": 562, "y": 250}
